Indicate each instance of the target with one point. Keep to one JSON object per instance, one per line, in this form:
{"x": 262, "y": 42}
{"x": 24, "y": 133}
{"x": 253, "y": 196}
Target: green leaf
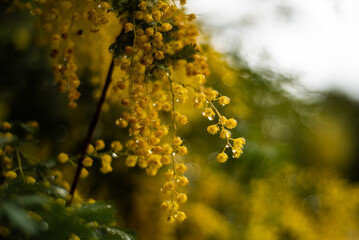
{"x": 99, "y": 212}
{"x": 112, "y": 233}
{"x": 30, "y": 200}
{"x": 187, "y": 53}
{"x": 18, "y": 217}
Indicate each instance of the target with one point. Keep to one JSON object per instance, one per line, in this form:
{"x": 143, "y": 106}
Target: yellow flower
{"x": 30, "y": 180}
{"x": 159, "y": 55}
{"x": 10, "y": 175}
{"x": 208, "y": 112}
{"x": 84, "y": 173}
{"x": 167, "y": 187}
{"x": 99, "y": 144}
{"x": 87, "y": 162}
{"x": 151, "y": 171}
{"x": 157, "y": 15}
{"x": 131, "y": 161}
{"x": 166, "y": 149}
{"x": 90, "y": 149}
{"x": 182, "y": 198}
{"x": 165, "y": 205}
{"x": 6, "y": 126}
{"x": 177, "y": 141}
{"x": 158, "y": 36}
{"x": 182, "y": 150}
{"x": 128, "y": 27}
{"x": 169, "y": 175}
{"x": 116, "y": 146}
{"x": 222, "y": 120}
{"x": 222, "y": 157}
{"x": 180, "y": 168}
{"x": 150, "y": 31}
{"x": 181, "y": 119}
{"x": 237, "y": 152}
{"x": 106, "y": 158}
{"x": 223, "y": 100}
{"x": 200, "y": 79}
{"x": 231, "y": 123}
{"x": 106, "y": 168}
{"x": 165, "y": 160}
{"x": 121, "y": 123}
{"x": 212, "y": 129}
{"x": 180, "y": 216}
{"x": 212, "y": 95}
{"x": 166, "y": 27}
{"x": 225, "y": 134}
{"x": 183, "y": 181}
{"x": 148, "y": 18}
{"x": 62, "y": 157}
{"x": 239, "y": 142}
{"x": 106, "y": 163}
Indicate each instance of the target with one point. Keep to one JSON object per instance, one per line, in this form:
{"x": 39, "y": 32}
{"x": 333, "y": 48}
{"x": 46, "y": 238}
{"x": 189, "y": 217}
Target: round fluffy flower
{"x": 181, "y": 119}
{"x": 180, "y": 168}
{"x": 239, "y": 142}
{"x": 62, "y": 157}
{"x": 225, "y": 134}
{"x": 116, "y": 146}
{"x": 223, "y": 100}
{"x": 129, "y": 27}
{"x": 182, "y": 180}
{"x": 131, "y": 161}
{"x": 222, "y": 157}
{"x": 6, "y": 126}
{"x": 182, "y": 150}
{"x": 90, "y": 149}
{"x": 212, "y": 129}
{"x": 106, "y": 160}
{"x": 84, "y": 173}
{"x": 231, "y": 123}
{"x": 10, "y": 174}
{"x": 87, "y": 162}
{"x": 166, "y": 149}
{"x": 199, "y": 79}
{"x": 177, "y": 141}
{"x": 166, "y": 27}
{"x": 180, "y": 216}
{"x": 30, "y": 180}
{"x": 182, "y": 198}
{"x": 208, "y": 112}
{"x": 99, "y": 144}
{"x": 237, "y": 152}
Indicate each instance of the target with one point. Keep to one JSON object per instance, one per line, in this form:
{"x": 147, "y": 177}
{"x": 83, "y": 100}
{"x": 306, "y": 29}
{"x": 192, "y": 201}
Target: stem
{"x": 19, "y": 163}
{"x": 91, "y": 130}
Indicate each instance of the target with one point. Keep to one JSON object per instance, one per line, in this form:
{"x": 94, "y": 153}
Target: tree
{"x": 152, "y": 66}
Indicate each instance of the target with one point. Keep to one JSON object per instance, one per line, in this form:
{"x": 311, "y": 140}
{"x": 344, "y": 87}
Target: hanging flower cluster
{"x": 63, "y": 24}
{"x": 158, "y": 40}
{"x": 161, "y": 67}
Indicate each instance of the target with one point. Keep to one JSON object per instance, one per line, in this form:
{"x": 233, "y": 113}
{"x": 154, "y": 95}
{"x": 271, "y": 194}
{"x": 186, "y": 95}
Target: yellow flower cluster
{"x": 64, "y": 23}
{"x": 223, "y": 125}
{"x": 157, "y": 41}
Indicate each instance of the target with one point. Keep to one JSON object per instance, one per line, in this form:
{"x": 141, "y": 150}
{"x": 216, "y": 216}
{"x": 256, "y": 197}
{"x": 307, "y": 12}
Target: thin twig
{"x": 91, "y": 130}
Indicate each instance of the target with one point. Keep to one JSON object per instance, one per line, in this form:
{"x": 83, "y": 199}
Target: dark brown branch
{"x": 91, "y": 130}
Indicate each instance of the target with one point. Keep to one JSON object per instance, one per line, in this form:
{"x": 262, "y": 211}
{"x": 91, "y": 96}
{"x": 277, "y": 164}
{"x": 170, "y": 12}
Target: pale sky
{"x": 315, "y": 40}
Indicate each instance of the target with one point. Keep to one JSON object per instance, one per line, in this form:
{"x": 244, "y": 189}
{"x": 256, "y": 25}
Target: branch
{"x": 91, "y": 130}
